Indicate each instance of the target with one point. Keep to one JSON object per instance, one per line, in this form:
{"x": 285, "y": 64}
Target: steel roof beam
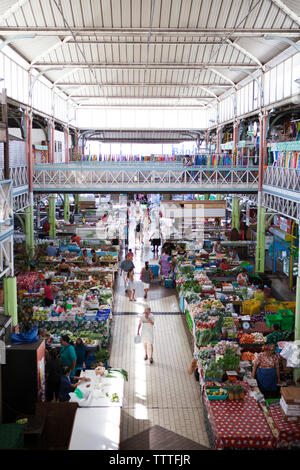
{"x": 13, "y": 9}
{"x": 288, "y": 11}
{"x": 163, "y": 97}
{"x": 162, "y": 32}
{"x": 147, "y": 84}
{"x": 245, "y": 52}
{"x": 60, "y": 43}
{"x": 168, "y": 65}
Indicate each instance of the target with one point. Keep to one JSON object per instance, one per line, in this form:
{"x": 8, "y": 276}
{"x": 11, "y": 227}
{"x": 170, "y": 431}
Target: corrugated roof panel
{"x": 204, "y": 13}
{"x": 213, "y": 18}
{"x": 16, "y": 19}
{"x": 185, "y": 14}
{"x": 224, "y": 12}
{"x": 107, "y": 13}
{"x": 97, "y": 13}
{"x": 175, "y": 12}
{"x": 165, "y": 14}
{"x": 194, "y": 13}
{"x": 126, "y": 13}
{"x": 136, "y": 13}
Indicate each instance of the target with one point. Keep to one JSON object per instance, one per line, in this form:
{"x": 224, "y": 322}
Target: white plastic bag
{"x": 137, "y": 339}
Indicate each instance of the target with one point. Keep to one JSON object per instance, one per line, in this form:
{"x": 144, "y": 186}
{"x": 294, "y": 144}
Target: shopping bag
{"x": 137, "y": 339}
{"x": 27, "y": 337}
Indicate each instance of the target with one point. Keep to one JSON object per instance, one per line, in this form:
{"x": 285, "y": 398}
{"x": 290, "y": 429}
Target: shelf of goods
{"x": 83, "y": 308}
{"x": 225, "y": 345}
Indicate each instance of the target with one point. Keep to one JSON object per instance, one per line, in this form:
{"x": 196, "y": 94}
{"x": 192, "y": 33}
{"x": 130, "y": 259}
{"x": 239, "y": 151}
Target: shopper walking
{"x": 155, "y": 240}
{"x": 49, "y": 293}
{"x": 125, "y": 266}
{"x": 131, "y": 285}
{"x": 138, "y": 232}
{"x": 81, "y": 354}
{"x": 147, "y": 324}
{"x": 146, "y": 278}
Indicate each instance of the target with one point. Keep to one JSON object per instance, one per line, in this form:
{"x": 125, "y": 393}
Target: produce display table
{"x": 96, "y": 429}
{"x": 239, "y": 424}
{"x": 98, "y": 398}
{"x": 289, "y": 432}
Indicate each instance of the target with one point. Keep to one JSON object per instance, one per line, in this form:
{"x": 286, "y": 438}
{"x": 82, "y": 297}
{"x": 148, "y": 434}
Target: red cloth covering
{"x": 239, "y": 424}
{"x": 288, "y": 431}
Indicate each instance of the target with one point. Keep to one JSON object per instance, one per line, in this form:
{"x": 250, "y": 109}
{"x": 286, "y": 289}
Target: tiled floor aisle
{"x": 162, "y": 393}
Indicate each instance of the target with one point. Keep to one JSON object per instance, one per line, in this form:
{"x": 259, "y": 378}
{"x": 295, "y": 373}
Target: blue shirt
{"x": 68, "y": 355}
{"x": 51, "y": 251}
{"x": 65, "y": 388}
{"x": 80, "y": 353}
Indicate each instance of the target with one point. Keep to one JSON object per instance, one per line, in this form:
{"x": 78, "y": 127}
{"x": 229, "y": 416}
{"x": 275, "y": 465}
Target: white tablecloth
{"x": 96, "y": 429}
{"x": 97, "y": 397}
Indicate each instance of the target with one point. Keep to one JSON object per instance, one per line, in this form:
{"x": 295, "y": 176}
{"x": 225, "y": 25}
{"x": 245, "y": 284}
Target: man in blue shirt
{"x": 51, "y": 250}
{"x": 125, "y": 266}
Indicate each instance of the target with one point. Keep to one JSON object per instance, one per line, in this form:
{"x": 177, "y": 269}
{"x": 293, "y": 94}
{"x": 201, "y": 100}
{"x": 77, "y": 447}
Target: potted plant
{"x": 102, "y": 357}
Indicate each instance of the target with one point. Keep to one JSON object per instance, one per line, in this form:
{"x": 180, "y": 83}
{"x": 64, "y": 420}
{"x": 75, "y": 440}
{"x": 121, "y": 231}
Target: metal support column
{"x": 29, "y": 232}
{"x": 6, "y": 141}
{"x": 66, "y": 207}
{"x": 260, "y": 240}
{"x": 51, "y": 216}
{"x": 235, "y": 214}
{"x": 76, "y": 203}
{"x": 67, "y": 136}
{"x": 10, "y": 298}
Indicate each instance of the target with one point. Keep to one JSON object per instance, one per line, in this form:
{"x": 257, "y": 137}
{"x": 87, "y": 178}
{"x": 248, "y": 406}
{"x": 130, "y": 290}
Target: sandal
{"x": 146, "y": 357}
{"x": 151, "y": 360}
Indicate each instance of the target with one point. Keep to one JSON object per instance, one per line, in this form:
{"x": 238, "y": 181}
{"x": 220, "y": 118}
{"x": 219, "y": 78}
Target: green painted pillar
{"x": 66, "y": 208}
{"x": 235, "y": 214}
{"x": 10, "y": 298}
{"x": 51, "y": 216}
{"x": 260, "y": 240}
{"x": 29, "y": 232}
{"x": 206, "y": 197}
{"x": 219, "y": 197}
{"x": 76, "y": 203}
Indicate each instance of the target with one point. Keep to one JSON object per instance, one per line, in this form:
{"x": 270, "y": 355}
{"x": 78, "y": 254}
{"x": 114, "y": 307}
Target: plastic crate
{"x": 287, "y": 319}
{"x": 168, "y": 283}
{"x": 272, "y": 319}
{"x": 251, "y": 307}
{"x": 289, "y": 305}
{"x": 249, "y": 268}
{"x": 102, "y": 317}
{"x": 274, "y": 307}
{"x": 216, "y": 397}
{"x": 154, "y": 268}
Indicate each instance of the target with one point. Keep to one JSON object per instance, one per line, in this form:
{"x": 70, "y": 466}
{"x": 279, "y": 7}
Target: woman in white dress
{"x": 147, "y": 324}
{"x": 131, "y": 285}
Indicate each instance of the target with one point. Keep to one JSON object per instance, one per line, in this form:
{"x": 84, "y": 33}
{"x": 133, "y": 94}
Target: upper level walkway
{"x": 153, "y": 177}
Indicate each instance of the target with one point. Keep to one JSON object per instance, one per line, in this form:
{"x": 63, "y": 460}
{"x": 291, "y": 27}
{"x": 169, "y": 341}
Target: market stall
{"x": 227, "y": 340}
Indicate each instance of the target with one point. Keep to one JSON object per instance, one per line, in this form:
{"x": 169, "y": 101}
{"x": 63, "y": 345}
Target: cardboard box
{"x": 291, "y": 395}
{"x": 287, "y": 409}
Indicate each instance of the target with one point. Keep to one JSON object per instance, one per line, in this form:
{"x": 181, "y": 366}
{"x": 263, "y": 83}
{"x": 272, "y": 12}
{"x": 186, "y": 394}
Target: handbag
{"x": 137, "y": 339}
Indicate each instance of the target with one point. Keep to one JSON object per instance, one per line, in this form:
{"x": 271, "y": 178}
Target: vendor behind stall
{"x": 51, "y": 250}
{"x": 232, "y": 253}
{"x": 49, "y": 293}
{"x": 85, "y": 257}
{"x": 95, "y": 257}
{"x": 68, "y": 384}
{"x": 217, "y": 247}
{"x": 224, "y": 265}
{"x": 68, "y": 354}
{"x": 276, "y": 335}
{"x": 242, "y": 278}
{"x": 64, "y": 268}
{"x": 76, "y": 239}
{"x": 266, "y": 370}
